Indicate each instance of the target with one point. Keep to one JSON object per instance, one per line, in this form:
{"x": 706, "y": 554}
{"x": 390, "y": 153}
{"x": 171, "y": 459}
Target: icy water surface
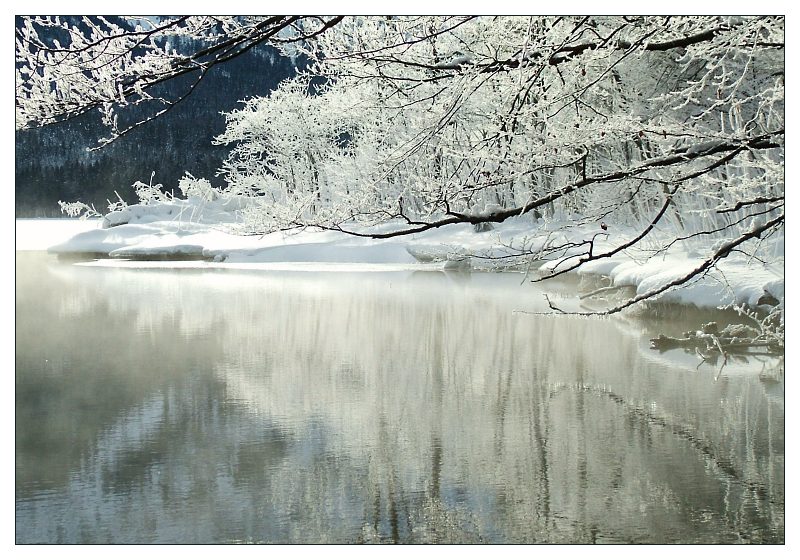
{"x": 223, "y": 406}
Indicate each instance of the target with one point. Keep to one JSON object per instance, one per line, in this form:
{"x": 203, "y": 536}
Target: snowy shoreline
{"x": 179, "y": 244}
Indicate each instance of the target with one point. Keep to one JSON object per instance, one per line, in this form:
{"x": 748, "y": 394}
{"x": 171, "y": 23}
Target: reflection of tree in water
{"x": 307, "y": 416}
{"x": 79, "y": 367}
{"x": 470, "y": 447}
{"x": 744, "y": 507}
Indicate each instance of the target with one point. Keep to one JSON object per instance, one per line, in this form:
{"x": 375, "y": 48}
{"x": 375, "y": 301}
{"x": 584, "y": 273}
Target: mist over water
{"x": 226, "y": 406}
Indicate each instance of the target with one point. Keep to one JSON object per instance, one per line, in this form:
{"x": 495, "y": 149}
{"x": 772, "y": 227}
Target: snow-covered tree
{"x": 674, "y": 125}
{"x": 668, "y": 123}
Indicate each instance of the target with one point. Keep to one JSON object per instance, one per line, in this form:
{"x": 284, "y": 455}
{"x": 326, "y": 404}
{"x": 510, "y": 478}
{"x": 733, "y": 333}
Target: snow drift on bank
{"x": 181, "y": 232}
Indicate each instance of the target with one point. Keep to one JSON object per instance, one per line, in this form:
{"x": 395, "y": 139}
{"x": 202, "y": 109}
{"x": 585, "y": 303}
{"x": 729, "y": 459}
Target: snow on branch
{"x": 68, "y": 66}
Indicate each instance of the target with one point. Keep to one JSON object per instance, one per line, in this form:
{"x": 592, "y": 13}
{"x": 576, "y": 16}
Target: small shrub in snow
{"x": 192, "y": 187}
{"x": 78, "y": 209}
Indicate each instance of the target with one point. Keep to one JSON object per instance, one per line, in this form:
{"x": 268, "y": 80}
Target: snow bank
{"x": 202, "y": 229}
{"x": 332, "y": 251}
{"x": 192, "y": 210}
{"x": 161, "y": 230}
{"x": 734, "y": 281}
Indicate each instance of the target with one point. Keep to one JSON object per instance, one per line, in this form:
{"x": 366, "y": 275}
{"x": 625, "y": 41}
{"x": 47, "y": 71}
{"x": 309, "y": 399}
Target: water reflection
{"x": 197, "y": 406}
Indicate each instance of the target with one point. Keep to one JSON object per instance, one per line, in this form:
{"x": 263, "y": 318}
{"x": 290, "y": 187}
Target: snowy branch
{"x": 709, "y": 262}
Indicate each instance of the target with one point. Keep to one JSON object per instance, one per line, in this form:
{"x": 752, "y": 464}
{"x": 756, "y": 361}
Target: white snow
{"x": 159, "y": 231}
{"x": 40, "y": 234}
{"x": 735, "y": 280}
{"x": 192, "y": 210}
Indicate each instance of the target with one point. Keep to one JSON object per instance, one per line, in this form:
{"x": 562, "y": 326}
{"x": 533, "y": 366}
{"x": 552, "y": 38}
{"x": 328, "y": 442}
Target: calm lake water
{"x": 157, "y": 406}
